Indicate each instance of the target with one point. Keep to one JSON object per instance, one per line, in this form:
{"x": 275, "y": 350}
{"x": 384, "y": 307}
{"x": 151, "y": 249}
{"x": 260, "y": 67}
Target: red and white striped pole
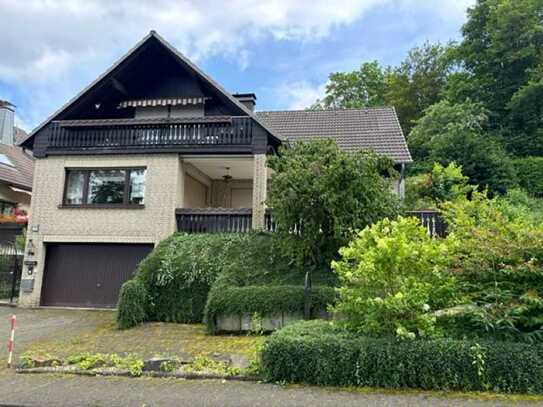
{"x": 11, "y": 342}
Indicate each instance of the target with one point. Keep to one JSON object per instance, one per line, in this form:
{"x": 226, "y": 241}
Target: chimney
{"x": 247, "y": 99}
{"x": 7, "y": 122}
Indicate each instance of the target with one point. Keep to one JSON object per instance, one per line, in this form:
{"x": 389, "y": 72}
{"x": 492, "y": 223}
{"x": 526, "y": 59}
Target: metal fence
{"x": 11, "y": 261}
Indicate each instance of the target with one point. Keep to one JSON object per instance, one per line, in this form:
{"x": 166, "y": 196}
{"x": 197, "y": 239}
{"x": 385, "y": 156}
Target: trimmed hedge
{"x": 264, "y": 299}
{"x": 317, "y": 352}
{"x": 132, "y": 303}
{"x": 530, "y": 174}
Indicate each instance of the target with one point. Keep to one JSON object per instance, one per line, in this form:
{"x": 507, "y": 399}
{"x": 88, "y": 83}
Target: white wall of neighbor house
{"x": 398, "y": 187}
{"x": 49, "y": 222}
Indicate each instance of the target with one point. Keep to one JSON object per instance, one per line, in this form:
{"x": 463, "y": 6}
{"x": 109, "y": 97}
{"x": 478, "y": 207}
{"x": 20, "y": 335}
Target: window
{"x": 105, "y": 187}
{"x": 6, "y": 208}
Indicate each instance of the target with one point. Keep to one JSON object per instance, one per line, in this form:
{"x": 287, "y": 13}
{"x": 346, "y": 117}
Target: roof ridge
{"x": 349, "y": 109}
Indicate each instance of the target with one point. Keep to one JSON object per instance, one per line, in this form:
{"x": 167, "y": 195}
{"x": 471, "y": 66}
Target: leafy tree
{"x": 362, "y": 88}
{"x": 455, "y": 133}
{"x": 529, "y": 172}
{"x": 417, "y": 83}
{"x": 501, "y": 48}
{"x": 321, "y": 195}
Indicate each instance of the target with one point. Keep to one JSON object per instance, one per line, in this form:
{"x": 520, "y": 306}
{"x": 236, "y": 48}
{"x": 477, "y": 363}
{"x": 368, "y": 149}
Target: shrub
{"x": 132, "y": 304}
{"x": 530, "y": 174}
{"x": 264, "y": 300}
{"x": 318, "y": 352}
{"x": 324, "y": 194}
{"x": 393, "y": 279}
{"x": 499, "y": 265}
{"x": 178, "y": 273}
{"x": 439, "y": 185}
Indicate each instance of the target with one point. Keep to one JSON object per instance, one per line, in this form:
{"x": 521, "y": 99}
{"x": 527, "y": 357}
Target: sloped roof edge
{"x": 179, "y": 55}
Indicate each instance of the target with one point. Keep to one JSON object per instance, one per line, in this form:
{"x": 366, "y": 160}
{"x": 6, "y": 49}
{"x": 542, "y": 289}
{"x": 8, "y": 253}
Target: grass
{"x": 144, "y": 341}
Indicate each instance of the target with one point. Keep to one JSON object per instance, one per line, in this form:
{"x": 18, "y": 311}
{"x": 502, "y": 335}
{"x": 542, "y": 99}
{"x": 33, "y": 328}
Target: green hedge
{"x": 264, "y": 300}
{"x": 131, "y": 308}
{"x": 317, "y": 352}
{"x": 530, "y": 174}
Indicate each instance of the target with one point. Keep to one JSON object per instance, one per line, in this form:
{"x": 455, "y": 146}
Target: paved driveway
{"x": 56, "y": 390}
{"x": 36, "y": 324}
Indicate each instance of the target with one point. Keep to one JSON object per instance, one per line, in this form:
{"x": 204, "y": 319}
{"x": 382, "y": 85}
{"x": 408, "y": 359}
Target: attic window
{"x": 5, "y": 160}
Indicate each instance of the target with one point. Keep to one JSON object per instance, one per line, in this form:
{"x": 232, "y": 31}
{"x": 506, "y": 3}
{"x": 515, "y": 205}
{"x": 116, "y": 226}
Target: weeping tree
{"x": 321, "y": 195}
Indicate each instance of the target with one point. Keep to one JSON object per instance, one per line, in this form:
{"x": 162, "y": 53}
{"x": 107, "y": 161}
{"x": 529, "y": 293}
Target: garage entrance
{"x": 88, "y": 275}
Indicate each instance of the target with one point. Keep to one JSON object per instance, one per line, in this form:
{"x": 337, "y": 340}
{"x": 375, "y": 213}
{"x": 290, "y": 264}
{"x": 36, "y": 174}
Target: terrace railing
{"x": 150, "y": 133}
{"x": 431, "y": 220}
{"x": 228, "y": 220}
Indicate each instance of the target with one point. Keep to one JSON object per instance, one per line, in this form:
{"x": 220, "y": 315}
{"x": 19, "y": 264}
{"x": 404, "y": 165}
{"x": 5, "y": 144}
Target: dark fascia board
{"x": 181, "y": 58}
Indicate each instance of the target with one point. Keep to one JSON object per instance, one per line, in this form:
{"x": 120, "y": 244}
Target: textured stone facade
{"x": 49, "y": 222}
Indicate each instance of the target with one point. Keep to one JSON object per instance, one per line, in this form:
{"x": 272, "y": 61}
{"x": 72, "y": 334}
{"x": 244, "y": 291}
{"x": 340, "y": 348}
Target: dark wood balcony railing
{"x": 431, "y": 220}
{"x": 150, "y": 134}
{"x": 228, "y": 220}
{"x": 214, "y": 220}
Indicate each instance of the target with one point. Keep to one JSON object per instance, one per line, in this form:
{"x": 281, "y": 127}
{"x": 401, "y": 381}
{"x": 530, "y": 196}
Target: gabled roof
{"x": 182, "y": 59}
{"x": 377, "y": 129}
{"x": 20, "y": 173}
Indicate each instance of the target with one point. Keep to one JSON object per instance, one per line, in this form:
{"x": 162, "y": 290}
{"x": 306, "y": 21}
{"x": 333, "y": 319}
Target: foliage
{"x": 318, "y": 352}
{"x": 131, "y": 307}
{"x": 454, "y": 133}
{"x": 411, "y": 87}
{"x": 499, "y": 266}
{"x": 393, "y": 279}
{"x": 501, "y": 48}
{"x": 417, "y": 82}
{"x": 264, "y": 300}
{"x": 319, "y": 195}
{"x": 362, "y": 88}
{"x": 530, "y": 174}
{"x": 518, "y": 203}
{"x": 204, "y": 364}
{"x": 179, "y": 272}
{"x": 440, "y": 185}
{"x": 90, "y": 361}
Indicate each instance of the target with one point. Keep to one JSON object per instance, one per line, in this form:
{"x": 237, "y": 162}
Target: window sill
{"x": 101, "y": 206}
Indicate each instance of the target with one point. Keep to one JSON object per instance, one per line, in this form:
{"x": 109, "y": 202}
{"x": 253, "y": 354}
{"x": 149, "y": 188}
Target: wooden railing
{"x": 214, "y": 220}
{"x": 150, "y": 134}
{"x": 228, "y": 220}
{"x": 431, "y": 220}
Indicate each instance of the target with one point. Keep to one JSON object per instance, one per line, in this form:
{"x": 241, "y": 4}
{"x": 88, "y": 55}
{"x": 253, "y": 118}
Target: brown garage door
{"x": 88, "y": 275}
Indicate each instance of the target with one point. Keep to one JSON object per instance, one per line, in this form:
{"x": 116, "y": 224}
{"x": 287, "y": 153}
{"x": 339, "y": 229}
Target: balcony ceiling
{"x": 215, "y": 167}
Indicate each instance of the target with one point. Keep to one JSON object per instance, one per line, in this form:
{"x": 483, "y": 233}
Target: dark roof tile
{"x": 377, "y": 129}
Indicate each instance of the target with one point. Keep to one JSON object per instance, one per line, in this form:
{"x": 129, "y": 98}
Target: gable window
{"x": 105, "y": 187}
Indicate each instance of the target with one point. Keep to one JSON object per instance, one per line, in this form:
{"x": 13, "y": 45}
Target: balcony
{"x": 213, "y": 133}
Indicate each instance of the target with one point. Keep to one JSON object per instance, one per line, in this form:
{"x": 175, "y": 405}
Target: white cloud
{"x": 50, "y": 48}
{"x": 300, "y": 95}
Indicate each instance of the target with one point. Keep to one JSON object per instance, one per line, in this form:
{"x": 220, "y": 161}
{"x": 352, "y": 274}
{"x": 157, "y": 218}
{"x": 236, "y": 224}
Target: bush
{"x": 178, "y": 273}
{"x": 499, "y": 265}
{"x": 393, "y": 279}
{"x": 318, "y": 352}
{"x": 264, "y": 300}
{"x": 132, "y": 304}
{"x": 439, "y": 185}
{"x": 530, "y": 174}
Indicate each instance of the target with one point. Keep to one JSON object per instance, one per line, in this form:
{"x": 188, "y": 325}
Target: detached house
{"x": 155, "y": 146}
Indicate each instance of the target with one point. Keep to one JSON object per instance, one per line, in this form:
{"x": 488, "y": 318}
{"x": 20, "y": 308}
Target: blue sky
{"x": 283, "y": 50}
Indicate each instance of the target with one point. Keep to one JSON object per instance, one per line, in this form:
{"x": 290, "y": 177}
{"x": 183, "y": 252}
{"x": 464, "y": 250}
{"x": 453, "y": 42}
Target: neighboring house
{"x": 16, "y": 170}
{"x": 153, "y": 146}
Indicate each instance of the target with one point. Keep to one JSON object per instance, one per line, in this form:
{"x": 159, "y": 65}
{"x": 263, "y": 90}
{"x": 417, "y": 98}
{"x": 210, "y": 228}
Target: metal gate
{"x": 11, "y": 261}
